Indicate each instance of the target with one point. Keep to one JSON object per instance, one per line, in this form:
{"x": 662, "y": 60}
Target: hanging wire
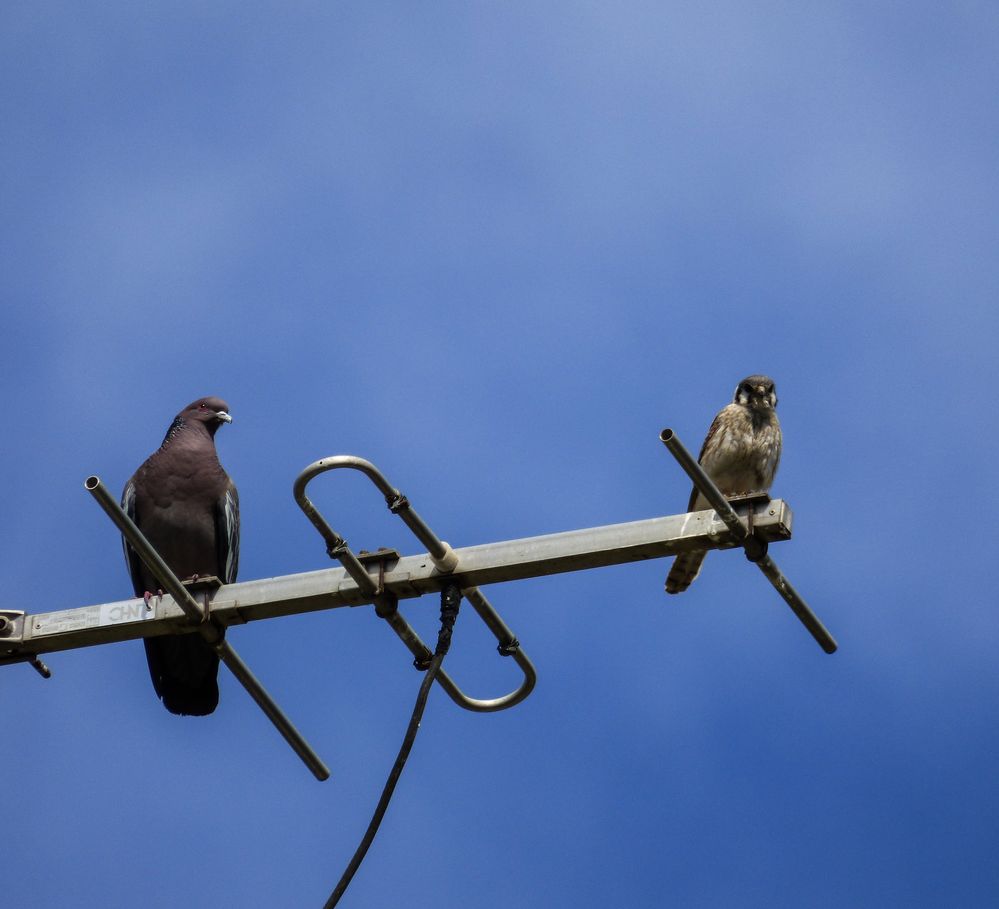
{"x": 450, "y": 601}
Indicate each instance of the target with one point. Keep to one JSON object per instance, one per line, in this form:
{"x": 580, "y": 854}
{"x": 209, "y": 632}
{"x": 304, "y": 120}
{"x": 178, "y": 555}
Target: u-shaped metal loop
{"x": 444, "y": 559}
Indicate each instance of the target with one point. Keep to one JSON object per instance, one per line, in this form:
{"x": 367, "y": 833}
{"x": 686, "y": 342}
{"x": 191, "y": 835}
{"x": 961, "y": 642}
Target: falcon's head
{"x": 757, "y": 393}
{"x": 213, "y": 412}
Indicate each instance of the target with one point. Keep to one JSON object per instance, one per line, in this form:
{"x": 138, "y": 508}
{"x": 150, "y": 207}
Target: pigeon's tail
{"x": 185, "y": 672}
{"x": 685, "y": 568}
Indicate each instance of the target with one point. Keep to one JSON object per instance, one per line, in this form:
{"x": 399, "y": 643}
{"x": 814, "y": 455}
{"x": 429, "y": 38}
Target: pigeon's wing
{"x": 132, "y": 560}
{"x": 227, "y": 533}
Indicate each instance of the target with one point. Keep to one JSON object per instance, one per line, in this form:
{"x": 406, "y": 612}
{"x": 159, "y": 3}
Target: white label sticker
{"x": 89, "y": 617}
{"x": 132, "y": 611}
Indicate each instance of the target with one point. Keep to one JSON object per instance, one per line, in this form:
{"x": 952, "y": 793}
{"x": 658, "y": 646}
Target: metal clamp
{"x": 446, "y": 562}
{"x": 12, "y": 633}
{"x": 11, "y": 622}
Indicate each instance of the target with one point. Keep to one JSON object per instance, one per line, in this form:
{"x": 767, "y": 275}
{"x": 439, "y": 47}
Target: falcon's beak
{"x": 223, "y": 416}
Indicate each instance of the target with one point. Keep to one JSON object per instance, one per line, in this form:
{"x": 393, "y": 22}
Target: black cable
{"x": 450, "y": 600}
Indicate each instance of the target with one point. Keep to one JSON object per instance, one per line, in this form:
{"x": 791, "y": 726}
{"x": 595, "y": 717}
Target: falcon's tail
{"x": 685, "y": 568}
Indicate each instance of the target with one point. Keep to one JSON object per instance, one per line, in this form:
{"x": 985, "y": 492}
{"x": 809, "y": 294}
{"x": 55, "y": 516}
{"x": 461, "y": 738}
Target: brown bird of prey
{"x": 740, "y": 454}
{"x": 186, "y": 506}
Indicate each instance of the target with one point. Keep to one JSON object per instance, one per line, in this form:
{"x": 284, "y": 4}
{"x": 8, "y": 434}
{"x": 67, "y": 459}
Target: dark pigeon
{"x": 187, "y": 507}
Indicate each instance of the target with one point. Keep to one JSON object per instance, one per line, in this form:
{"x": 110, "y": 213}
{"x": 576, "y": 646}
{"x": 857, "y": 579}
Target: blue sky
{"x": 495, "y": 248}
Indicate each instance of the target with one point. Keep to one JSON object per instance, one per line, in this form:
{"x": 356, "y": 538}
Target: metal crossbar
{"x": 26, "y": 635}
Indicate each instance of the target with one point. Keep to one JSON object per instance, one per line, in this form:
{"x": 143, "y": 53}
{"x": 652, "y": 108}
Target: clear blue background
{"x": 495, "y": 248}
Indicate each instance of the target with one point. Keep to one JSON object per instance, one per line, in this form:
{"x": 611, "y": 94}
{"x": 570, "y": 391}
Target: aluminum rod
{"x": 740, "y": 532}
{"x": 336, "y": 546}
{"x": 705, "y": 485}
{"x": 396, "y": 501}
{"x": 422, "y": 652}
{"x": 509, "y": 645}
{"x": 212, "y": 634}
{"x": 137, "y": 540}
{"x": 274, "y": 713}
{"x": 793, "y": 599}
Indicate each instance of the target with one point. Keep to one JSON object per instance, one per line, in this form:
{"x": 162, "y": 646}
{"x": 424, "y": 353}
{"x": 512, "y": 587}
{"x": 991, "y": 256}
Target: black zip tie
{"x": 450, "y": 601}
{"x": 509, "y": 648}
{"x": 396, "y": 503}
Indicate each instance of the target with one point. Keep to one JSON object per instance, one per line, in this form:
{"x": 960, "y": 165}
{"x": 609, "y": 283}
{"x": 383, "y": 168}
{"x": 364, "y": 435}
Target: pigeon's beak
{"x": 223, "y": 416}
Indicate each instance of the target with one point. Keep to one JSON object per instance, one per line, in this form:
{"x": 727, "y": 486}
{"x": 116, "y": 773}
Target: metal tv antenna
{"x": 385, "y": 577}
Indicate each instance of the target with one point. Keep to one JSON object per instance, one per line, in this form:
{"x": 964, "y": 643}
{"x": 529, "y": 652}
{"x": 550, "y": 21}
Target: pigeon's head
{"x": 757, "y": 393}
{"x": 213, "y": 412}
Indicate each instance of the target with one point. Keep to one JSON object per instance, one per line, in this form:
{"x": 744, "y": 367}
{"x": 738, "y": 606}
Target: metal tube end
{"x": 91, "y": 483}
{"x": 666, "y": 435}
